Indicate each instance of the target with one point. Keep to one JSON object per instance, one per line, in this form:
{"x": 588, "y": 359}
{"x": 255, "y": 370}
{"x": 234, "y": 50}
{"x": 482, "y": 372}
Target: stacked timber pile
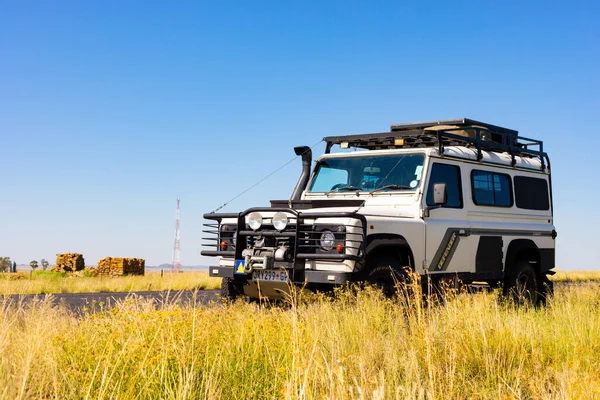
{"x": 69, "y": 262}
{"x": 110, "y": 266}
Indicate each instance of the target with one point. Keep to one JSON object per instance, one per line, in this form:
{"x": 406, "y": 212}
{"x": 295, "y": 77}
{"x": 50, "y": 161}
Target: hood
{"x": 316, "y": 203}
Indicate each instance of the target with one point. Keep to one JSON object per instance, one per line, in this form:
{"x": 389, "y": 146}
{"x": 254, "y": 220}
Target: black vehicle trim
{"x": 311, "y": 276}
{"x": 489, "y": 256}
{"x": 470, "y": 276}
{"x": 222, "y": 272}
{"x": 547, "y": 259}
{"x": 451, "y": 239}
{"x": 445, "y": 250}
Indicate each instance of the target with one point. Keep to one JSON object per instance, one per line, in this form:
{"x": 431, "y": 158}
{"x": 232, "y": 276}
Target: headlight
{"x": 255, "y": 220}
{"x": 327, "y": 240}
{"x": 280, "y": 221}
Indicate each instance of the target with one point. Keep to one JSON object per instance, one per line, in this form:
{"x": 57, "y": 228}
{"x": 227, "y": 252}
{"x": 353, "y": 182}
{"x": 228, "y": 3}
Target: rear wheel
{"x": 523, "y": 285}
{"x": 231, "y": 290}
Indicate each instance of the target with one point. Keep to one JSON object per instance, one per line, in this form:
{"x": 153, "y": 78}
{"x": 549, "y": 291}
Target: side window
{"x": 531, "y": 193}
{"x": 491, "y": 189}
{"x": 450, "y": 175}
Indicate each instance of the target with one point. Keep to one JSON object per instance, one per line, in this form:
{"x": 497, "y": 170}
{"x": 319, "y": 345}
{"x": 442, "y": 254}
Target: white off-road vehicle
{"x": 444, "y": 199}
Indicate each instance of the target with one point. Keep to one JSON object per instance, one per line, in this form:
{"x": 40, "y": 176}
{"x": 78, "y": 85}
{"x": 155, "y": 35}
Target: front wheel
{"x": 231, "y": 290}
{"x": 387, "y": 273}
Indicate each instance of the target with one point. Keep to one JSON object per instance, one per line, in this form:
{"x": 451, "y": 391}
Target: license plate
{"x": 270, "y": 275}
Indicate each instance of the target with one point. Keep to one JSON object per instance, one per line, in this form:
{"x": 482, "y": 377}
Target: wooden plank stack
{"x": 114, "y": 266}
{"x": 69, "y": 262}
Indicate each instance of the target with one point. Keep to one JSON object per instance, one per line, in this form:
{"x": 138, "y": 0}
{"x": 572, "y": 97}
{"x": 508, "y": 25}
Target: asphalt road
{"x": 96, "y": 301}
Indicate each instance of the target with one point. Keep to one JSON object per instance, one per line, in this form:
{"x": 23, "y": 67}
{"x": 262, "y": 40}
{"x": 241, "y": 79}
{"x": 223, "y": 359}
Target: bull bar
{"x": 303, "y": 237}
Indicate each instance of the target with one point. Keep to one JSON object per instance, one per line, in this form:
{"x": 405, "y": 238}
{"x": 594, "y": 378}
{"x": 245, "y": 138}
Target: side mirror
{"x": 440, "y": 194}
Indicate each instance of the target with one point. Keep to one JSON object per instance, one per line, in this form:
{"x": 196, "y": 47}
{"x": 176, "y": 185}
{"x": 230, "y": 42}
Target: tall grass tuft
{"x": 355, "y": 345}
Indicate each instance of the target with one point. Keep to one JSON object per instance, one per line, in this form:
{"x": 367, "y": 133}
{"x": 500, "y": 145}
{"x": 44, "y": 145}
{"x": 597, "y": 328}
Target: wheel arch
{"x": 389, "y": 244}
{"x": 521, "y": 249}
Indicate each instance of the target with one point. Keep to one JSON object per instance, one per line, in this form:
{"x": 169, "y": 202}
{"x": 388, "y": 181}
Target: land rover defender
{"x": 457, "y": 199}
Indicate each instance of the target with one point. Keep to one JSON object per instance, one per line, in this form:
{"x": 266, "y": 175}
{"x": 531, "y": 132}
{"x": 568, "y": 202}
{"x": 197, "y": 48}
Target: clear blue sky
{"x": 111, "y": 109}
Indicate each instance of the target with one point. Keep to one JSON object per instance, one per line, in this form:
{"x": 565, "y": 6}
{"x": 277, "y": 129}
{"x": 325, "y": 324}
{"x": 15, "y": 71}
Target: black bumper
{"x": 310, "y": 276}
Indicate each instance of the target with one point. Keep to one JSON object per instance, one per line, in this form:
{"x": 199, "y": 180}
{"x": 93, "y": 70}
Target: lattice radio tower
{"x": 176, "y": 266}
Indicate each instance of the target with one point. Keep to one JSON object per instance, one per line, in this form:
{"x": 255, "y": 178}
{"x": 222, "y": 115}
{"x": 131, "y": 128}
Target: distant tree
{"x": 33, "y": 264}
{"x": 44, "y": 264}
{"x": 5, "y": 264}
{"x": 14, "y": 266}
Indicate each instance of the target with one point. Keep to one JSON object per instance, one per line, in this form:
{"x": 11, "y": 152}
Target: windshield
{"x": 368, "y": 173}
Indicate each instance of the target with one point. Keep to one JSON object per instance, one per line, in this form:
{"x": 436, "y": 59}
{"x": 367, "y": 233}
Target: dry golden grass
{"x": 576, "y": 276}
{"x": 43, "y": 282}
{"x": 358, "y": 346}
{"x": 55, "y": 282}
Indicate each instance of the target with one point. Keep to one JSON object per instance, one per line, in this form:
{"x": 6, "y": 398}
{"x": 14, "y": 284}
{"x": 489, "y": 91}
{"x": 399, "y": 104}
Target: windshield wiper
{"x": 391, "y": 187}
{"x": 347, "y": 188}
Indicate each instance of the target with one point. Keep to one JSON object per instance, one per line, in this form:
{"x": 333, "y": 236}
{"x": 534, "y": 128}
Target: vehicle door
{"x": 448, "y": 247}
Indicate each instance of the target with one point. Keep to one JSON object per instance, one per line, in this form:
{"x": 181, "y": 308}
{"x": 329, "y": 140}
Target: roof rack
{"x": 454, "y": 132}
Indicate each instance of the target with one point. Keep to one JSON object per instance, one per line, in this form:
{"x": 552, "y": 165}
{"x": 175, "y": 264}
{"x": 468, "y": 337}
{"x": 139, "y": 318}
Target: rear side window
{"x": 491, "y": 189}
{"x": 531, "y": 193}
{"x": 450, "y": 175}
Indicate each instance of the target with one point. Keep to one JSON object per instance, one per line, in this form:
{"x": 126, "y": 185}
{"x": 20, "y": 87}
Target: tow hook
{"x": 248, "y": 267}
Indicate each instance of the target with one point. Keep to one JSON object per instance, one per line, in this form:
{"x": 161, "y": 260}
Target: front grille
{"x": 302, "y": 239}
{"x": 268, "y": 237}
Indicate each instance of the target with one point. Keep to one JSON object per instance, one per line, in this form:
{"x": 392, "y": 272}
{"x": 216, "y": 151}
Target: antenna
{"x": 176, "y": 266}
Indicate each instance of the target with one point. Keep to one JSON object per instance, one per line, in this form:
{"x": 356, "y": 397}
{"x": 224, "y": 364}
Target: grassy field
{"x": 56, "y": 282}
{"x": 357, "y": 346}
{"x": 576, "y": 276}
{"x": 41, "y": 282}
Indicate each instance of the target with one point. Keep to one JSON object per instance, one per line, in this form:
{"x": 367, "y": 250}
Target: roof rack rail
{"x": 456, "y": 132}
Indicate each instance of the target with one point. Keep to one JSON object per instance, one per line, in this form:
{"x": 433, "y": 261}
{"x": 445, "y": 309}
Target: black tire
{"x": 523, "y": 284}
{"x": 387, "y": 273}
{"x": 231, "y": 290}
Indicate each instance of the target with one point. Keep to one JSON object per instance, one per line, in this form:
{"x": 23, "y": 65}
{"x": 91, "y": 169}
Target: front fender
{"x": 377, "y": 243}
